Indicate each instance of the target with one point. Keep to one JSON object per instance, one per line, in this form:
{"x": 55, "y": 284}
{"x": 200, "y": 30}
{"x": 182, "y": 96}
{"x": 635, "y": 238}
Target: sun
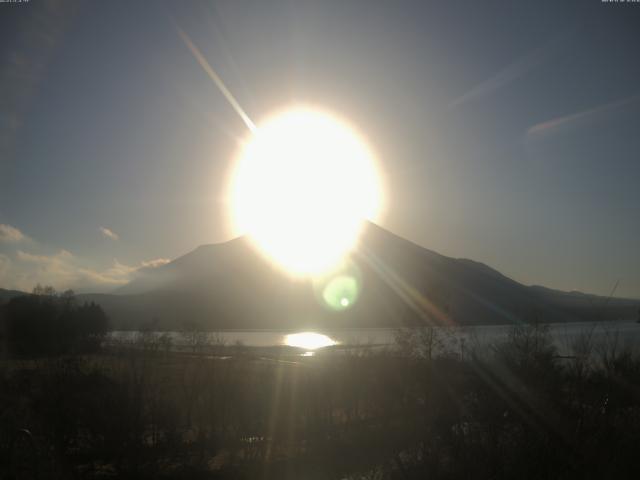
{"x": 304, "y": 184}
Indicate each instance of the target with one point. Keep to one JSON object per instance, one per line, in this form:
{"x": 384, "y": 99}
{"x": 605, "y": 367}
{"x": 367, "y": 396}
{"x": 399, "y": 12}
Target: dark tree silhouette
{"x": 45, "y": 323}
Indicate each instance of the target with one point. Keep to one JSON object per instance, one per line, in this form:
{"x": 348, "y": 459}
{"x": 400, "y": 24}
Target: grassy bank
{"x": 515, "y": 409}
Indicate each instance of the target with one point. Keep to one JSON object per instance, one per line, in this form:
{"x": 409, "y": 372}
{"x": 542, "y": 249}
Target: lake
{"x": 625, "y": 333}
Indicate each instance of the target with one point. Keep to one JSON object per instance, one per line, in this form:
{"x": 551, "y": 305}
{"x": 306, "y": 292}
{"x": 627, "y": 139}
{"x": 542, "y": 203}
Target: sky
{"x": 505, "y": 132}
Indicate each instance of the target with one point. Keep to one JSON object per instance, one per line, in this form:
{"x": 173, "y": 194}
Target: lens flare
{"x": 303, "y": 187}
{"x": 340, "y": 288}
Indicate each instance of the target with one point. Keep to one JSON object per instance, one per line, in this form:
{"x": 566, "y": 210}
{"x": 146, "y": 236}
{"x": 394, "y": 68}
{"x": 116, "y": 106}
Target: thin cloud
{"x": 515, "y": 70}
{"x": 5, "y": 265}
{"x": 504, "y": 77}
{"x": 62, "y": 255}
{"x": 158, "y": 262}
{"x": 58, "y": 270}
{"x": 579, "y": 118}
{"x": 64, "y": 270}
{"x": 107, "y": 232}
{"x": 10, "y": 234}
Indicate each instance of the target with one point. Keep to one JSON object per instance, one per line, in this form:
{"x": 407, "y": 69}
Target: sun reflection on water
{"x": 308, "y": 340}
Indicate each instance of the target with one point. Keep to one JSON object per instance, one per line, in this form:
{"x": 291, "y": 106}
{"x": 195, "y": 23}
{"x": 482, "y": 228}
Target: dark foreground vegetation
{"x": 425, "y": 408}
{"x": 48, "y": 323}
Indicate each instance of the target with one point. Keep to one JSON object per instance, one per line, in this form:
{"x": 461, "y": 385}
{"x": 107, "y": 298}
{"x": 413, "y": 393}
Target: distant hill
{"x": 230, "y": 286}
{"x": 6, "y": 295}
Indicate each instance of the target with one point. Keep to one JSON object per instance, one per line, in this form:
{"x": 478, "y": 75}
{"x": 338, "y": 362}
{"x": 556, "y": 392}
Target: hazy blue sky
{"x": 508, "y": 132}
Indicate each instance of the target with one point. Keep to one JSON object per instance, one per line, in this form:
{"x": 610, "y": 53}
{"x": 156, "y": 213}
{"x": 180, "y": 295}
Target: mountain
{"x": 231, "y": 286}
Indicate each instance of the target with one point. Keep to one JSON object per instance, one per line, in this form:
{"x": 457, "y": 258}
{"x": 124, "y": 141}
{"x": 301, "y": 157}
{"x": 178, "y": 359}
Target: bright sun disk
{"x": 304, "y": 184}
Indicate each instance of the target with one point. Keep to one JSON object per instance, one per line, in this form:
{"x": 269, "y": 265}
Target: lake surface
{"x": 625, "y": 334}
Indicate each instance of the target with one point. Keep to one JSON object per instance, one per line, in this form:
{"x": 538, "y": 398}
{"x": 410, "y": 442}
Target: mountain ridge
{"x": 231, "y": 285}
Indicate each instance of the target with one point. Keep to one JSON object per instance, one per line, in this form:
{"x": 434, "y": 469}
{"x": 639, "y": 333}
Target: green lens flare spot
{"x": 340, "y": 292}
{"x": 340, "y": 289}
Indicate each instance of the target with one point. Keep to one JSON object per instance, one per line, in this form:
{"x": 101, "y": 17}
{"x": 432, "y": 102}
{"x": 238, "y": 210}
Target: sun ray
{"x": 216, "y": 79}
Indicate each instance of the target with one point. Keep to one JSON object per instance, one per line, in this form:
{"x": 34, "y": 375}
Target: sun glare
{"x": 304, "y": 184}
{"x": 309, "y": 340}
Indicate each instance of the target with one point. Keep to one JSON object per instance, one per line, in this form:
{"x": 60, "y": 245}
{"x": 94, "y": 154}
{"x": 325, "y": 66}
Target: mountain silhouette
{"x": 231, "y": 286}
